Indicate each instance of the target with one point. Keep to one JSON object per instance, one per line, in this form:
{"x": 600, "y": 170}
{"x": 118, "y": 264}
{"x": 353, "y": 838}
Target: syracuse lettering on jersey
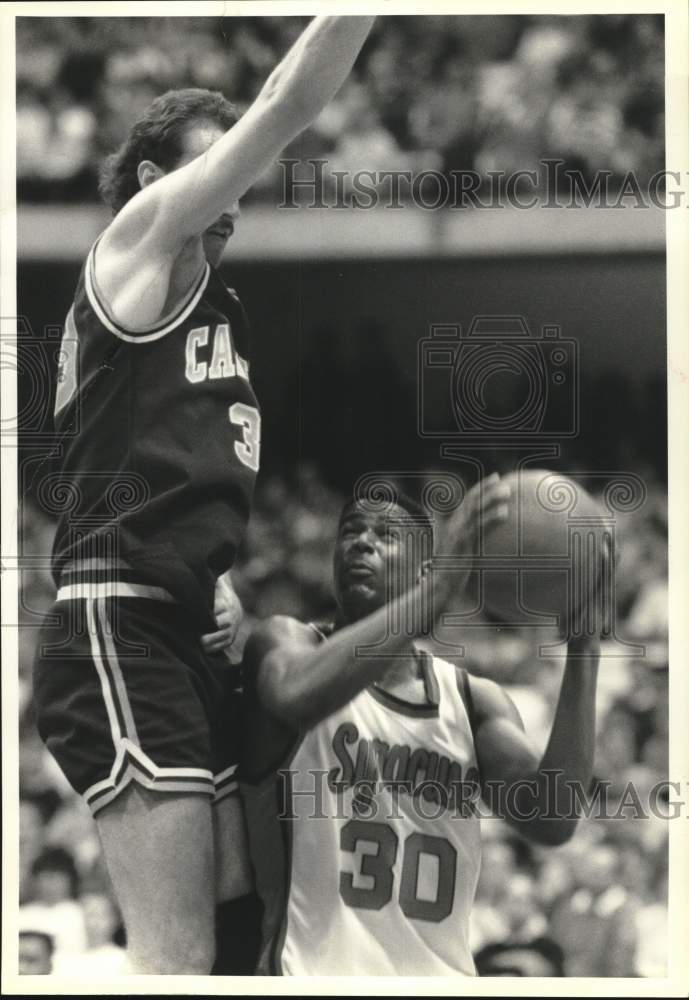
{"x": 220, "y": 362}
{"x": 373, "y": 764}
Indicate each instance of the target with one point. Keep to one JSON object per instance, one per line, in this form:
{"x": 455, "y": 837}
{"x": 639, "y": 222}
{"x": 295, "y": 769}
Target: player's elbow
{"x": 281, "y": 695}
{"x": 286, "y": 707}
{"x": 292, "y": 705}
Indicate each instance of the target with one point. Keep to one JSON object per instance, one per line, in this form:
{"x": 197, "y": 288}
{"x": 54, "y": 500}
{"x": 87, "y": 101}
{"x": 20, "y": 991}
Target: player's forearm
{"x": 571, "y": 745}
{"x": 317, "y": 65}
{"x": 567, "y": 762}
{"x": 302, "y": 688}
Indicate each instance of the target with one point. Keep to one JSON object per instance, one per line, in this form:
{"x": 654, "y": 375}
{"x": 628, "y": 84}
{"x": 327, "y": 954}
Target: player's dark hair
{"x": 417, "y": 511}
{"x": 57, "y": 859}
{"x": 157, "y": 136}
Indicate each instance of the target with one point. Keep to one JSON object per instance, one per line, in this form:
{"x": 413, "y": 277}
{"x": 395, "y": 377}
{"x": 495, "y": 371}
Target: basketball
{"x": 544, "y": 560}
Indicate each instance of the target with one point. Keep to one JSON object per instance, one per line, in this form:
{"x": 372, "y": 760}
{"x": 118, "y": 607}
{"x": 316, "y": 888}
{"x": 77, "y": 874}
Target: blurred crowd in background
{"x": 429, "y": 93}
{"x": 595, "y": 907}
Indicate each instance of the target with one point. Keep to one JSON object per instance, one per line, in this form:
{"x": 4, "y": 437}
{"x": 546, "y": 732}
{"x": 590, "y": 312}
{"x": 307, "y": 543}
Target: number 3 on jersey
{"x": 377, "y": 867}
{"x": 249, "y": 419}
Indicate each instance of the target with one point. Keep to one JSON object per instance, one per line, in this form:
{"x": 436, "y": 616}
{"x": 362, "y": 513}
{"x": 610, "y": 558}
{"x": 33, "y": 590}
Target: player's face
{"x": 197, "y": 140}
{"x": 370, "y": 560}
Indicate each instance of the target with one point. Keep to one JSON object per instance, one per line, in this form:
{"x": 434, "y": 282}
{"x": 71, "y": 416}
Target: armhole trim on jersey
{"x": 429, "y": 709}
{"x": 147, "y": 333}
{"x": 464, "y": 689}
{"x": 429, "y": 679}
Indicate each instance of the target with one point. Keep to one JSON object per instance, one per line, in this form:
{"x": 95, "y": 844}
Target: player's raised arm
{"x": 184, "y": 202}
{"x": 534, "y": 794}
{"x": 299, "y": 685}
{"x": 300, "y": 681}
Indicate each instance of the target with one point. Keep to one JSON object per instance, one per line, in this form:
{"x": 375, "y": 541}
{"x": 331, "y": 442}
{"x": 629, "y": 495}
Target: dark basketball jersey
{"x": 160, "y": 438}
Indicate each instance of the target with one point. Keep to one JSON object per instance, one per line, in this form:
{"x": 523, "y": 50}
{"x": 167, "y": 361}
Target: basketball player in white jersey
{"x": 361, "y": 768}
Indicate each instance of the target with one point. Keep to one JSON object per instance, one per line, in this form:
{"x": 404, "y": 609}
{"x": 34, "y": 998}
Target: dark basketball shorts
{"x": 124, "y": 692}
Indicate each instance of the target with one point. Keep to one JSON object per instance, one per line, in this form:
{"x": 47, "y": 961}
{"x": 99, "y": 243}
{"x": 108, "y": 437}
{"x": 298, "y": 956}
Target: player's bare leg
{"x": 239, "y": 910}
{"x": 160, "y": 856}
{"x": 234, "y": 876}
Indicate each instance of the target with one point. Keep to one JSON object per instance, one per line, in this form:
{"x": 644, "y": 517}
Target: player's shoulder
{"x": 491, "y": 701}
{"x": 485, "y": 698}
{"x": 129, "y": 229}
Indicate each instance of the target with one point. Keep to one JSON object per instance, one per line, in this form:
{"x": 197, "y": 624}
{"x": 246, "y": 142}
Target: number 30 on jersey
{"x": 249, "y": 448}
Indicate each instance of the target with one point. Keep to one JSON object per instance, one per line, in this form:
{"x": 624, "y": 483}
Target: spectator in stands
{"x": 31, "y": 843}
{"x": 488, "y": 921}
{"x": 102, "y": 955}
{"x": 588, "y": 89}
{"x": 54, "y": 908}
{"x": 35, "y": 953}
{"x": 444, "y": 117}
{"x": 522, "y": 910}
{"x": 540, "y": 957}
{"x": 596, "y": 924}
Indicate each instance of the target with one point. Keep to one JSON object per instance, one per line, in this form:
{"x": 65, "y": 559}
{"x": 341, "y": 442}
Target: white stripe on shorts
{"x": 131, "y": 762}
{"x": 228, "y": 780}
{"x": 112, "y": 588}
{"x": 97, "y": 656}
{"x": 120, "y": 692}
{"x": 140, "y": 768}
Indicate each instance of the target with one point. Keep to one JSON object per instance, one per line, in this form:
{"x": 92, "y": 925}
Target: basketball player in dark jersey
{"x": 160, "y": 434}
{"x": 372, "y": 869}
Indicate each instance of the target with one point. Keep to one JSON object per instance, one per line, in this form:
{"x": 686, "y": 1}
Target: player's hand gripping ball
{"x": 485, "y": 506}
{"x": 228, "y": 613}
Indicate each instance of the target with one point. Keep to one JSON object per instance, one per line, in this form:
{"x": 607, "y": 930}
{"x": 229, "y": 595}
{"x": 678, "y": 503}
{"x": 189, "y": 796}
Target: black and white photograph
{"x": 344, "y": 468}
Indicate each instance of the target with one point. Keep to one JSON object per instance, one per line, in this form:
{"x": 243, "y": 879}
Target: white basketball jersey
{"x": 383, "y": 850}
